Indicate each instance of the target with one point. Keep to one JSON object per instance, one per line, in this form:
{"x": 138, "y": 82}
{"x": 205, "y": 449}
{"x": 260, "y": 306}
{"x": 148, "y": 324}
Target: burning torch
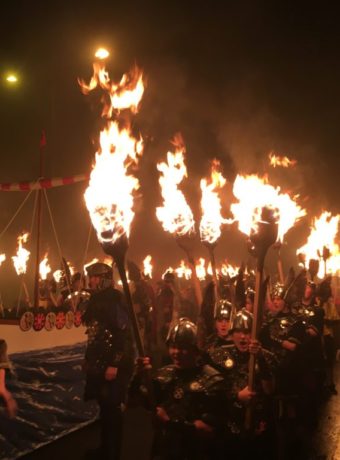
{"x": 253, "y": 194}
{"x": 109, "y": 196}
{"x": 212, "y": 220}
{"x": 175, "y": 214}
{"x": 321, "y": 244}
{"x": 20, "y": 265}
{"x": 261, "y": 239}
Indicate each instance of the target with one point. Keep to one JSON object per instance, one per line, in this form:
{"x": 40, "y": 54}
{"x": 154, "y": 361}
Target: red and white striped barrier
{"x": 43, "y": 183}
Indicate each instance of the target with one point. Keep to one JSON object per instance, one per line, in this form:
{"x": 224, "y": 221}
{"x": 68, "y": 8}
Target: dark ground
{"x": 137, "y": 438}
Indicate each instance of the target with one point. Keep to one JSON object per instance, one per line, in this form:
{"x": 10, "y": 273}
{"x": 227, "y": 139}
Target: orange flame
{"x": 175, "y": 215}
{"x": 168, "y": 270}
{"x": 126, "y": 94}
{"x": 109, "y": 196}
{"x": 255, "y": 193}
{"x": 211, "y": 221}
{"x": 21, "y": 259}
{"x": 183, "y": 271}
{"x": 284, "y": 162}
{"x": 93, "y": 261}
{"x": 200, "y": 269}
{"x": 147, "y": 266}
{"x": 323, "y": 234}
{"x": 229, "y": 270}
{"x": 2, "y": 258}
{"x": 57, "y": 275}
{"x": 44, "y": 267}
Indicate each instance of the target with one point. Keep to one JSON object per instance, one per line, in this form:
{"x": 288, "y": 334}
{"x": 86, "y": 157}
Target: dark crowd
{"x": 214, "y": 389}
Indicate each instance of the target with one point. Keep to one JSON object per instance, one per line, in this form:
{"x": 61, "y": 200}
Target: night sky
{"x": 237, "y": 79}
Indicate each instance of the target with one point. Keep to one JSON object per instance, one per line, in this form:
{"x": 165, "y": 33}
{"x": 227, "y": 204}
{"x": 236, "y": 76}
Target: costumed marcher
{"x": 250, "y": 297}
{"x": 5, "y": 368}
{"x": 222, "y": 316}
{"x": 109, "y": 356}
{"x": 187, "y": 397}
{"x": 283, "y": 334}
{"x": 325, "y": 299}
{"x": 232, "y": 361}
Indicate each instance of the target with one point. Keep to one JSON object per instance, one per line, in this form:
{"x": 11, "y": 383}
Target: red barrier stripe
{"x": 43, "y": 183}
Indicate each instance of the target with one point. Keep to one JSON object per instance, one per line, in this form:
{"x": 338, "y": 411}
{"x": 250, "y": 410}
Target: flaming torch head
{"x": 211, "y": 221}
{"x": 254, "y": 194}
{"x": 321, "y": 244}
{"x": 109, "y": 196}
{"x": 175, "y": 214}
{"x": 21, "y": 259}
{"x": 44, "y": 268}
{"x": 265, "y": 235}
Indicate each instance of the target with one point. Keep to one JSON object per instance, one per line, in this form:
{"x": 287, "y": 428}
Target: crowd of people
{"x": 215, "y": 389}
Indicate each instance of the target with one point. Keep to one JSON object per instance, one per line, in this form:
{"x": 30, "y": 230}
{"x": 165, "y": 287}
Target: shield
{"x": 26, "y": 321}
{"x": 50, "y": 321}
{"x": 69, "y": 319}
{"x": 60, "y": 320}
{"x": 39, "y": 321}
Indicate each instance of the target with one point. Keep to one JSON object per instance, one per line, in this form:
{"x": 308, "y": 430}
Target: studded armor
{"x": 109, "y": 343}
{"x": 234, "y": 365}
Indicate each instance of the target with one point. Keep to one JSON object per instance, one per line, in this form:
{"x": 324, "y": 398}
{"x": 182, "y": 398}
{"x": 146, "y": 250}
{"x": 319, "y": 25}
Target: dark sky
{"x": 238, "y": 79}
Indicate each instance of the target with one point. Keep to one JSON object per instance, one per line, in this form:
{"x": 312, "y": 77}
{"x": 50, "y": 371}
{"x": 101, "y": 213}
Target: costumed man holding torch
{"x": 233, "y": 362}
{"x": 109, "y": 200}
{"x": 189, "y": 399}
{"x": 283, "y": 334}
{"x": 109, "y": 357}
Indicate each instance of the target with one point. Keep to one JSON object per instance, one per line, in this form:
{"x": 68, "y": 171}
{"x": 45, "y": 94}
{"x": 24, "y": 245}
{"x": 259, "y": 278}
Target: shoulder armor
{"x": 221, "y": 355}
{"x": 165, "y": 374}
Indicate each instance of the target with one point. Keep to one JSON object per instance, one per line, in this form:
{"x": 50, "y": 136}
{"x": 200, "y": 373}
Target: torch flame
{"x": 44, "y": 267}
{"x": 284, "y": 162}
{"x": 109, "y": 196}
{"x": 147, "y": 266}
{"x": 21, "y": 259}
{"x": 229, "y": 270}
{"x": 126, "y": 94}
{"x": 254, "y": 194}
{"x": 183, "y": 271}
{"x": 200, "y": 269}
{"x": 175, "y": 215}
{"x": 323, "y": 235}
{"x": 210, "y": 226}
{"x": 57, "y": 275}
{"x": 2, "y": 258}
{"x": 93, "y": 261}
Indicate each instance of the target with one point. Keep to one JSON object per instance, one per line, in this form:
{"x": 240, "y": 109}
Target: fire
{"x": 323, "y": 234}
{"x": 147, "y": 266}
{"x": 200, "y": 269}
{"x": 2, "y": 258}
{"x": 44, "y": 268}
{"x": 183, "y": 271}
{"x": 255, "y": 193}
{"x": 168, "y": 270}
{"x": 93, "y": 261}
{"x": 109, "y": 196}
{"x": 57, "y": 275}
{"x": 284, "y": 162}
{"x": 229, "y": 270}
{"x": 210, "y": 226}
{"x": 175, "y": 214}
{"x": 126, "y": 94}
{"x": 21, "y": 259}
